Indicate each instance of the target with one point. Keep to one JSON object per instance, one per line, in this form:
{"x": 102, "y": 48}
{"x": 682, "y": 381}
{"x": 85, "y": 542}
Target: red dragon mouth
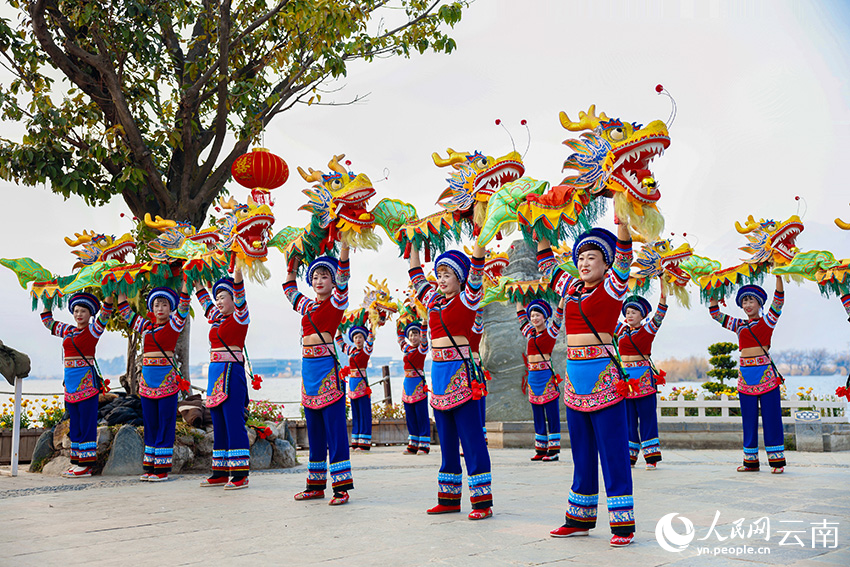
{"x": 118, "y": 252}
{"x": 357, "y": 196}
{"x": 252, "y": 235}
{"x": 784, "y": 239}
{"x": 632, "y": 165}
{"x": 208, "y": 238}
{"x": 488, "y": 181}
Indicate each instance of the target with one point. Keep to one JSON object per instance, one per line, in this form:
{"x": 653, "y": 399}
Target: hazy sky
{"x": 762, "y": 92}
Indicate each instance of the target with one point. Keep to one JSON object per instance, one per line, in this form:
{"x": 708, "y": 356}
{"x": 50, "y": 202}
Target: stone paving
{"x": 53, "y": 521}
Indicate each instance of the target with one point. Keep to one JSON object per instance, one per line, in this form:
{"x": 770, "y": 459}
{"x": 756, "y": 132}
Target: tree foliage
{"x": 157, "y": 98}
{"x": 723, "y": 365}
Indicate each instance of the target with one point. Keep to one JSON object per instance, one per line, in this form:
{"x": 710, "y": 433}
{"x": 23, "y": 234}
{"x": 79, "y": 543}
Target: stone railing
{"x": 831, "y": 412}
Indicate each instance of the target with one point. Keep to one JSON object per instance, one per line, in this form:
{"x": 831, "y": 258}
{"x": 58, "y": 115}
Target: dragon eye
{"x": 481, "y": 162}
{"x": 771, "y": 226}
{"x": 663, "y": 247}
{"x": 617, "y": 134}
{"x": 336, "y": 184}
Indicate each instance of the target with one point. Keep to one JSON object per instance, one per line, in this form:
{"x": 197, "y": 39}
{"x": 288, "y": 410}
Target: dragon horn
{"x": 81, "y": 238}
{"x": 586, "y": 120}
{"x": 313, "y": 177}
{"x": 333, "y": 165}
{"x": 229, "y": 204}
{"x": 159, "y": 223}
{"x": 453, "y": 159}
{"x": 749, "y": 227}
{"x": 842, "y": 225}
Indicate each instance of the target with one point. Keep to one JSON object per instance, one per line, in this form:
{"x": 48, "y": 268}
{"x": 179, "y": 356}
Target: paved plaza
{"x": 800, "y": 518}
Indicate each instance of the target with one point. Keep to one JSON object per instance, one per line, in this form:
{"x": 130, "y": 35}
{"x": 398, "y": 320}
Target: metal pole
{"x": 388, "y": 391}
{"x": 16, "y": 428}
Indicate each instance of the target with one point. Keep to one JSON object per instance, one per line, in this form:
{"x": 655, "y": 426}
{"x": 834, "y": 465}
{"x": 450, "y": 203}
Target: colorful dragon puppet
{"x": 472, "y": 181}
{"x": 377, "y": 308}
{"x": 99, "y": 253}
{"x": 612, "y": 158}
{"x": 821, "y": 266}
{"x": 337, "y": 202}
{"x": 660, "y": 259}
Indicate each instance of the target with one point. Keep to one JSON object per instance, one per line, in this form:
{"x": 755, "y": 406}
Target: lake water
{"x": 288, "y": 390}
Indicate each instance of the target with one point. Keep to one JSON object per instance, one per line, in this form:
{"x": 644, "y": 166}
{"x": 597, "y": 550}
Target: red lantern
{"x": 260, "y": 171}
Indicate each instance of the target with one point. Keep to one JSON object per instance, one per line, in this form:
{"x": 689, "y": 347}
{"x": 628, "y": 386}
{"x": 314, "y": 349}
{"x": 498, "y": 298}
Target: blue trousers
{"x": 361, "y": 422}
{"x": 600, "y": 436}
{"x": 159, "y": 416}
{"x": 83, "y": 431}
{"x": 547, "y": 440}
{"x": 231, "y": 450}
{"x": 327, "y": 434}
{"x": 418, "y": 426}
{"x": 643, "y": 428}
{"x": 461, "y": 425}
{"x": 771, "y": 420}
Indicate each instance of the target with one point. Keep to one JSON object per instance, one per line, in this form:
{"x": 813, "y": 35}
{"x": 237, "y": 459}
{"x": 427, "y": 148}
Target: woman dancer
{"x": 359, "y": 391}
{"x": 323, "y": 390}
{"x": 596, "y": 414}
{"x": 758, "y": 380}
{"x": 543, "y": 391}
{"x": 635, "y": 341}
{"x": 82, "y": 381}
{"x": 413, "y": 341}
{"x": 455, "y": 378}
{"x": 160, "y": 377}
{"x": 227, "y": 387}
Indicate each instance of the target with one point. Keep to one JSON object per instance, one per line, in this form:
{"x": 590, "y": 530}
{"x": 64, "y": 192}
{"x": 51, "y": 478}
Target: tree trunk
{"x": 130, "y": 379}
{"x": 181, "y": 355}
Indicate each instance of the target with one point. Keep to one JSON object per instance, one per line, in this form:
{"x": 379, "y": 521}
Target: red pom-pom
{"x": 797, "y": 198}
{"x": 264, "y": 432}
{"x": 122, "y": 215}
{"x": 348, "y": 162}
{"x": 368, "y": 391}
{"x": 558, "y": 379}
{"x": 136, "y": 219}
{"x": 257, "y": 382}
{"x": 622, "y": 388}
{"x": 843, "y": 392}
{"x": 425, "y": 388}
{"x": 218, "y": 209}
{"x": 659, "y": 88}
{"x": 661, "y": 380}
{"x": 523, "y": 122}
{"x": 684, "y": 234}
{"x": 498, "y": 121}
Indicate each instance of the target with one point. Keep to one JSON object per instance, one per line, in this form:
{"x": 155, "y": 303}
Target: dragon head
{"x": 100, "y": 248}
{"x": 494, "y": 264}
{"x": 661, "y": 258}
{"x": 246, "y": 229}
{"x": 173, "y": 234}
{"x": 614, "y": 156}
{"x": 475, "y": 177}
{"x": 771, "y": 240}
{"x": 339, "y": 195}
{"x": 378, "y": 302}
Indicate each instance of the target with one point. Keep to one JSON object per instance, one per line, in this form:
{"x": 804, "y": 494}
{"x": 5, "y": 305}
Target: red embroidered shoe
{"x": 481, "y": 514}
{"x": 622, "y": 541}
{"x": 651, "y": 466}
{"x": 550, "y": 458}
{"x": 538, "y": 457}
{"x": 442, "y": 509}
{"x": 214, "y": 481}
{"x": 746, "y": 469}
{"x": 310, "y": 495}
{"x": 777, "y": 470}
{"x": 564, "y": 531}
{"x": 161, "y": 477}
{"x": 424, "y": 451}
{"x": 237, "y": 484}
{"x": 77, "y": 472}
{"x": 144, "y": 477}
{"x": 339, "y": 499}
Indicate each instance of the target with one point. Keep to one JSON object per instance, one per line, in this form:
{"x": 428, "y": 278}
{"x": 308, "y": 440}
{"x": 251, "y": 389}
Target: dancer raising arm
{"x": 82, "y": 382}
{"x": 596, "y": 414}
{"x": 227, "y": 386}
{"x": 541, "y": 328}
{"x": 456, "y": 381}
{"x": 413, "y": 341}
{"x": 160, "y": 377}
{"x": 323, "y": 389}
{"x": 635, "y": 339}
{"x": 758, "y": 380}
